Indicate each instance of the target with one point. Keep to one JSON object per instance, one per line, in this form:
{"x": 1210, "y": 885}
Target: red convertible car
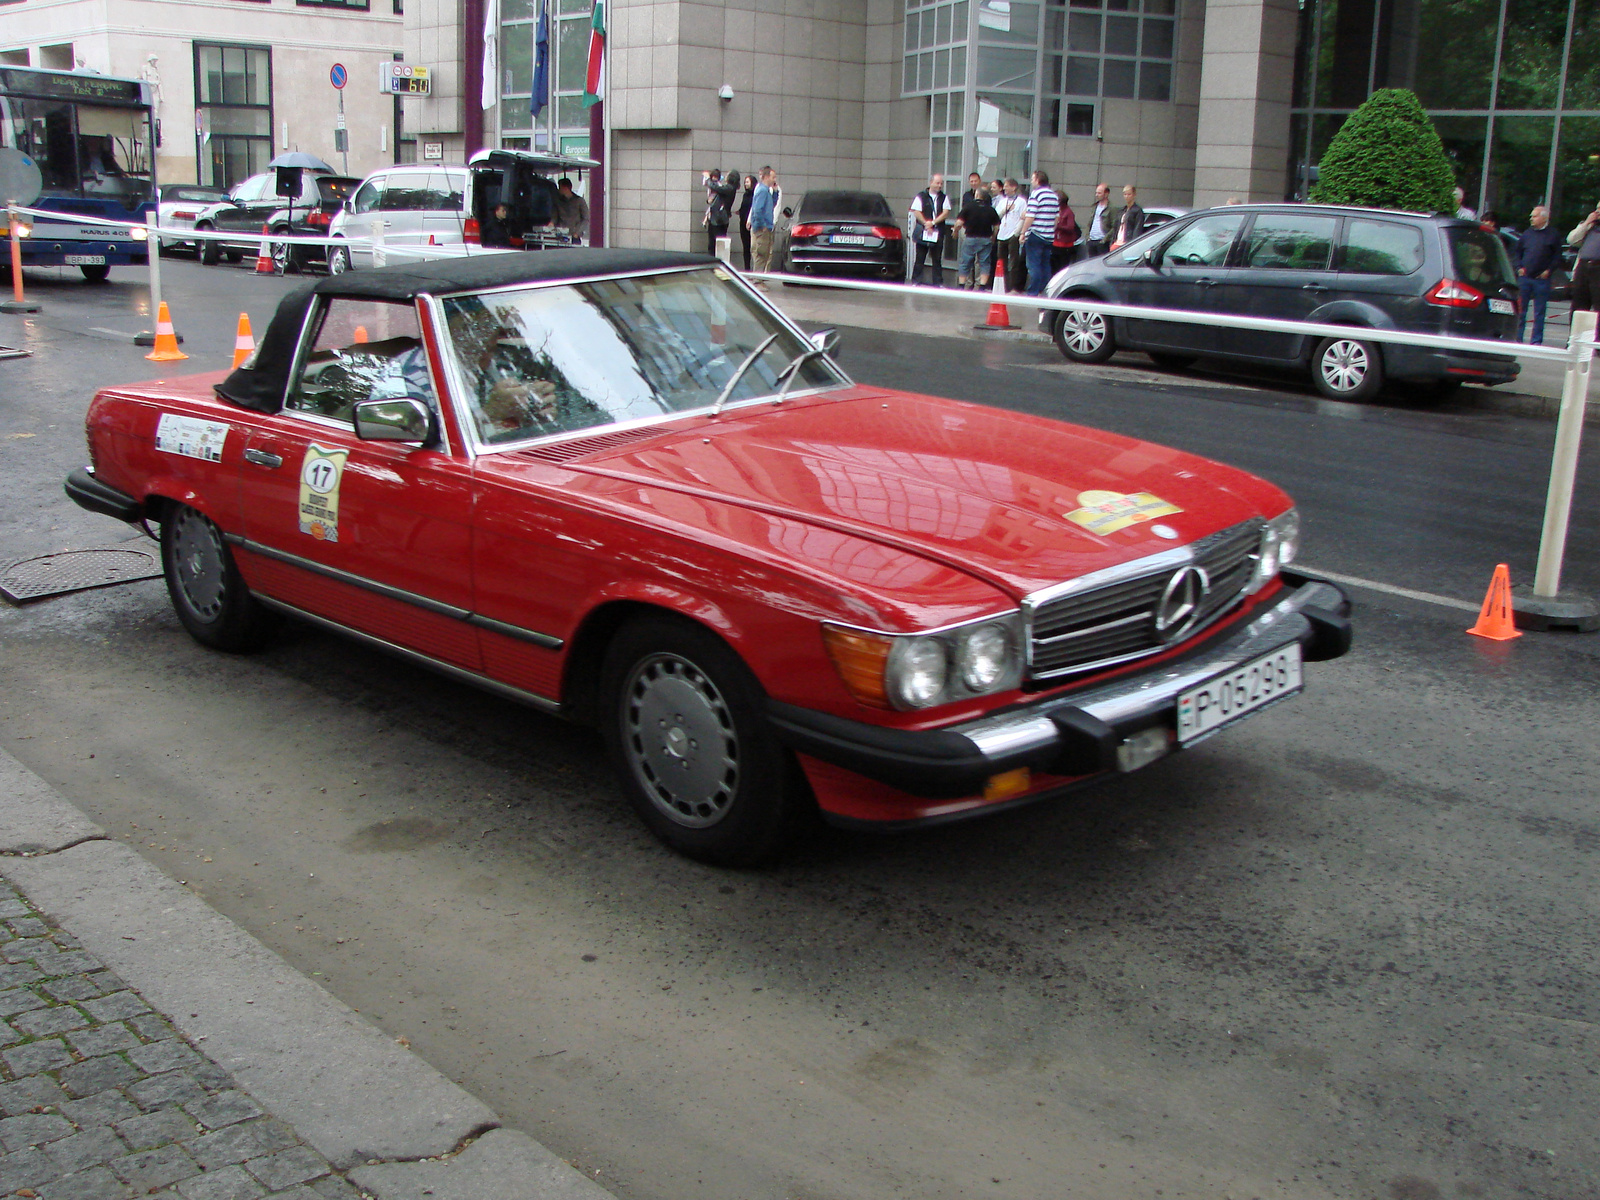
{"x": 619, "y": 486}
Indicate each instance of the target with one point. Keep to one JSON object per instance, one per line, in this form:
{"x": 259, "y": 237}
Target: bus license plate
{"x": 1223, "y": 699}
{"x": 84, "y": 260}
{"x": 1504, "y": 307}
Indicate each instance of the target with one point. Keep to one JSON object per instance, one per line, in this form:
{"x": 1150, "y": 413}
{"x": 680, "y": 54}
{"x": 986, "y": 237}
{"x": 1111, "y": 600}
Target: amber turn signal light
{"x": 860, "y": 659}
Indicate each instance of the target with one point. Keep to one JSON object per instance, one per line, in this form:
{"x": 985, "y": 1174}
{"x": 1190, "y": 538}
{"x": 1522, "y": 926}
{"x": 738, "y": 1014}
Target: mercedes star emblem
{"x": 1180, "y": 604}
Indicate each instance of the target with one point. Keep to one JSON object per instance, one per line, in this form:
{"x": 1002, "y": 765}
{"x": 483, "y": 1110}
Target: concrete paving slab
{"x": 34, "y": 819}
{"x": 502, "y": 1163}
{"x": 353, "y": 1094}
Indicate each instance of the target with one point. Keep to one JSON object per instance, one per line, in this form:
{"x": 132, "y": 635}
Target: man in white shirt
{"x": 930, "y": 212}
{"x": 1097, "y": 238}
{"x": 1012, "y": 207}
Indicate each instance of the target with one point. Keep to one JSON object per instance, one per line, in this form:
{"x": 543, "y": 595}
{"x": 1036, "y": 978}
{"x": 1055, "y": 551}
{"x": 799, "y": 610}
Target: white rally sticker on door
{"x": 320, "y": 473}
{"x": 191, "y": 437}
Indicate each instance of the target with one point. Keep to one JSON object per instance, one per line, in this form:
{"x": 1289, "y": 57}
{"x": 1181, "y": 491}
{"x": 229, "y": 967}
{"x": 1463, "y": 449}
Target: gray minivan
{"x": 1360, "y": 267}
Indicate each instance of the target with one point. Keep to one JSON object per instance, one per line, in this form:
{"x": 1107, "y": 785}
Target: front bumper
{"x": 1070, "y": 735}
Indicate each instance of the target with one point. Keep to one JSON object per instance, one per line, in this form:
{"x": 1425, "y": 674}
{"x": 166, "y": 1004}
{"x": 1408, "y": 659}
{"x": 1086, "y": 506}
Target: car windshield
{"x": 861, "y": 206}
{"x": 554, "y": 359}
{"x": 1481, "y": 259}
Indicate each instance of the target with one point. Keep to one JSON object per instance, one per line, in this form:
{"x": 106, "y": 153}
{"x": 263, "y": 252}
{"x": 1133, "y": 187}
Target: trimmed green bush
{"x": 1387, "y": 154}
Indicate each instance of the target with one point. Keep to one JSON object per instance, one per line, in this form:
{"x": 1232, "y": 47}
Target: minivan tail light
{"x": 889, "y": 233}
{"x": 1449, "y": 293}
{"x": 469, "y": 232}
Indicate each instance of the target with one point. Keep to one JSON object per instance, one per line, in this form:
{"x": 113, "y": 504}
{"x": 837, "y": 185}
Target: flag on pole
{"x": 594, "y": 81}
{"x": 541, "y": 61}
{"x": 491, "y": 55}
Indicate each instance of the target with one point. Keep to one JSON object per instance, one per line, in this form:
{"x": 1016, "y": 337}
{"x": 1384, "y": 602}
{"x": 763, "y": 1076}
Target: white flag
{"x": 491, "y": 54}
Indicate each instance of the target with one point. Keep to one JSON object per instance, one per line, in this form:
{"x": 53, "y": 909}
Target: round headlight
{"x": 983, "y": 656}
{"x": 918, "y": 672}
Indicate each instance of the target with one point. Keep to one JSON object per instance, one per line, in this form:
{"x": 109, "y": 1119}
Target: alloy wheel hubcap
{"x": 1344, "y": 365}
{"x": 1084, "y": 332}
{"x": 680, "y": 740}
{"x": 199, "y": 561}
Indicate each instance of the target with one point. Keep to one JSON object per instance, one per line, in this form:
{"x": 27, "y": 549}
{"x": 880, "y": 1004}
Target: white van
{"x": 452, "y": 205}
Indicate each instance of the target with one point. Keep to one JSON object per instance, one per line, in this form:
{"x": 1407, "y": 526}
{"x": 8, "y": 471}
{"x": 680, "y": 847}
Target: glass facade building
{"x": 1513, "y": 86}
{"x": 563, "y": 126}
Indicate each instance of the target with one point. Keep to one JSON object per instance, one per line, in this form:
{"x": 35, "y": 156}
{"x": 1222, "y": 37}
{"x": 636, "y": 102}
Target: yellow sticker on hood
{"x": 1107, "y": 512}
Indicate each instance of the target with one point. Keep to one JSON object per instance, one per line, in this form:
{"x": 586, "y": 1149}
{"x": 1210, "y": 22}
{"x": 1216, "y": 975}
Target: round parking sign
{"x": 338, "y": 76}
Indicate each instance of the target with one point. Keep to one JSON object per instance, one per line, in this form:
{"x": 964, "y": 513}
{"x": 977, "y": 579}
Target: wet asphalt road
{"x": 1346, "y": 950}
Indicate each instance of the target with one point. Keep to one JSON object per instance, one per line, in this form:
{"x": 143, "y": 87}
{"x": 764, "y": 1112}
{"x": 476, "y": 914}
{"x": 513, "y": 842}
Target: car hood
{"x": 980, "y": 489}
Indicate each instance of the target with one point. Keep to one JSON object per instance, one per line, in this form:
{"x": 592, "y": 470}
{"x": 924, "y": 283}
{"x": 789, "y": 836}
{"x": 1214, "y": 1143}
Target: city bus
{"x": 91, "y": 136}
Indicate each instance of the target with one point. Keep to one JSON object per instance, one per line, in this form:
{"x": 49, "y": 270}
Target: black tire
{"x": 233, "y": 256}
{"x": 740, "y": 797}
{"x": 1084, "y": 337}
{"x": 1171, "y": 362}
{"x": 210, "y": 249}
{"x": 282, "y": 254}
{"x": 208, "y": 593}
{"x": 1346, "y": 368}
{"x": 338, "y": 260}
{"x": 96, "y": 274}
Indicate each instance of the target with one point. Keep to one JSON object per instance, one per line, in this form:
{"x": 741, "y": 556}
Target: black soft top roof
{"x": 261, "y": 384}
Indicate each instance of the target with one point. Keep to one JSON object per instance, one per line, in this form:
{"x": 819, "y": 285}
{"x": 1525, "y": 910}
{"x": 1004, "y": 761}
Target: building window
{"x": 233, "y": 99}
{"x": 936, "y": 46}
{"x": 358, "y": 5}
{"x": 1117, "y": 49}
{"x": 1067, "y": 118}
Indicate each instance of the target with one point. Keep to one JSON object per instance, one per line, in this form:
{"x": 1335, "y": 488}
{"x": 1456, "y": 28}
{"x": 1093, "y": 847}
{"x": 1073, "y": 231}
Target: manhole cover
{"x": 30, "y": 579}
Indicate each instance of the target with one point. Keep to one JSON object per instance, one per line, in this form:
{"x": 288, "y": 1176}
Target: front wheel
{"x": 96, "y": 274}
{"x": 1345, "y": 368}
{"x": 210, "y": 248}
{"x": 338, "y": 260}
{"x": 281, "y": 253}
{"x": 683, "y": 723}
{"x": 1084, "y": 337}
{"x": 207, "y": 591}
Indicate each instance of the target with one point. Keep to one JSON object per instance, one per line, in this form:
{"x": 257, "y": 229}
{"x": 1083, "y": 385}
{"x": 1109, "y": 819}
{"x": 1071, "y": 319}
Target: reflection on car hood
{"x": 980, "y": 489}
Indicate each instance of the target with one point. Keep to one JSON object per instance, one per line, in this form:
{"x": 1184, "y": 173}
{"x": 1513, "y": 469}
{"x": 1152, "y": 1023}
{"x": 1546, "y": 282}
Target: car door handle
{"x": 1313, "y": 287}
{"x": 1205, "y": 283}
{"x": 263, "y": 458}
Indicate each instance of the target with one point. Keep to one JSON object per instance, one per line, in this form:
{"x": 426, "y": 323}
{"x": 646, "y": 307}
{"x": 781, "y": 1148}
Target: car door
{"x": 400, "y": 209}
{"x": 1283, "y": 272}
{"x": 441, "y": 221}
{"x": 357, "y": 223}
{"x": 1182, "y": 271}
{"x": 375, "y": 536}
{"x": 244, "y": 197}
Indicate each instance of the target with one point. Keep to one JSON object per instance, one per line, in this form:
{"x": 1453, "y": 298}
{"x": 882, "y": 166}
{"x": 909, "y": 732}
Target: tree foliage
{"x": 1387, "y": 155}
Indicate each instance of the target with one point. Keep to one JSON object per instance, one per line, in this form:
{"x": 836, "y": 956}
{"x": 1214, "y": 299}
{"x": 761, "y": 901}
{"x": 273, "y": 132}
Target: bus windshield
{"x": 86, "y": 150}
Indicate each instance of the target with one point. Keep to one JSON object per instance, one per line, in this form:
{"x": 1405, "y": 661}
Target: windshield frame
{"x": 450, "y": 366}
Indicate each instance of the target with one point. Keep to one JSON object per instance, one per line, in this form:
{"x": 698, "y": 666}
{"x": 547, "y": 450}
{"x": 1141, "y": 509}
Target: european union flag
{"x": 541, "y": 62}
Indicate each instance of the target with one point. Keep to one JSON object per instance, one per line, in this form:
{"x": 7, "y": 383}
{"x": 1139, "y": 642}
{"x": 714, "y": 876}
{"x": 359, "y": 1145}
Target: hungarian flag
{"x": 594, "y": 82}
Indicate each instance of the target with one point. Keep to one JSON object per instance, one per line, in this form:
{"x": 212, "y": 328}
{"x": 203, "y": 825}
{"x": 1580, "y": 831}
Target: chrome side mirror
{"x": 402, "y": 419}
{"x": 826, "y": 340}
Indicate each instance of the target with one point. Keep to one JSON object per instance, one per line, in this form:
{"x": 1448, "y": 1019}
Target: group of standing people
{"x": 1028, "y": 236}
{"x": 749, "y": 202}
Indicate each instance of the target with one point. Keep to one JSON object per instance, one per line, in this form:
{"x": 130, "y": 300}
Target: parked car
{"x": 439, "y": 205}
{"x": 1157, "y": 215}
{"x": 248, "y": 208}
{"x": 1302, "y": 262}
{"x": 845, "y": 232}
{"x": 308, "y": 220}
{"x": 180, "y": 204}
{"x": 619, "y": 486}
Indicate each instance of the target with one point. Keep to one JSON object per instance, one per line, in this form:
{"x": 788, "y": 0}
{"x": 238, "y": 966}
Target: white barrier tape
{"x": 1216, "y": 320}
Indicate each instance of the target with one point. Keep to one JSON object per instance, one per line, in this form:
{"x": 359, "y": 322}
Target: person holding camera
{"x": 1585, "y": 285}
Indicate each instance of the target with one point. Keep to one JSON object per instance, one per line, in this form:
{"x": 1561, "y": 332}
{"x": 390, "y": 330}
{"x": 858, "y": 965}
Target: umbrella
{"x": 298, "y": 158}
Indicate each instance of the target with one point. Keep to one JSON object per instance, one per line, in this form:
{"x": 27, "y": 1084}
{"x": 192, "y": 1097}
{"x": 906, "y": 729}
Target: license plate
{"x": 1225, "y": 698}
{"x": 1503, "y": 307}
{"x": 847, "y": 239}
{"x": 84, "y": 260}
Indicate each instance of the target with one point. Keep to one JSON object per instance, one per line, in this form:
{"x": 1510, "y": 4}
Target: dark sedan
{"x": 321, "y": 201}
{"x": 847, "y": 233}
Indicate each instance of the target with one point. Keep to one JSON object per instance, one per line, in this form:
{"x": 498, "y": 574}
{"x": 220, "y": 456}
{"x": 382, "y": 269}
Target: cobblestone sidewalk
{"x": 102, "y": 1100}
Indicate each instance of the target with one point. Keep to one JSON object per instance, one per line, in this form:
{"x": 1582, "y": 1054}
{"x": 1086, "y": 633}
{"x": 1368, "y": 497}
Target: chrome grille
{"x": 1100, "y": 624}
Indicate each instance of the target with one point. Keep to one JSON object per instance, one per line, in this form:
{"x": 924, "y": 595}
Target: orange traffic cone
{"x": 166, "y": 349}
{"x": 1494, "y": 620}
{"x": 999, "y": 316}
{"x": 360, "y": 334}
{"x": 264, "y": 264}
{"x": 244, "y": 345}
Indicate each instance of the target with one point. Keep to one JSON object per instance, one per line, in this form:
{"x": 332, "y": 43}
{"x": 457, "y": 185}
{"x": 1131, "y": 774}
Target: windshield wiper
{"x": 792, "y": 372}
{"x": 732, "y": 383}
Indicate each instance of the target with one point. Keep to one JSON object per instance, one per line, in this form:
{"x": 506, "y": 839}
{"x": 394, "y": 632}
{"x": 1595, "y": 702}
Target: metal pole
{"x": 17, "y": 304}
{"x": 1564, "y": 462}
{"x": 154, "y": 243}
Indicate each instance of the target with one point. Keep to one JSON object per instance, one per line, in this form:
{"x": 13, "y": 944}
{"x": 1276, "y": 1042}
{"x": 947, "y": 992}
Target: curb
{"x": 352, "y": 1093}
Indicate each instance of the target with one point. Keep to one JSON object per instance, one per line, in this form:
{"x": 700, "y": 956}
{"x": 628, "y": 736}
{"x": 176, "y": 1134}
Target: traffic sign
{"x": 404, "y": 79}
{"x": 338, "y": 76}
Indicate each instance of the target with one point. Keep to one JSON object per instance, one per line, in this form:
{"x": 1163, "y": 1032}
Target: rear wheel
{"x": 210, "y": 248}
{"x": 1084, "y": 337}
{"x": 208, "y": 593}
{"x": 338, "y": 260}
{"x": 683, "y": 721}
{"x": 1346, "y": 368}
{"x": 283, "y": 257}
{"x": 96, "y": 274}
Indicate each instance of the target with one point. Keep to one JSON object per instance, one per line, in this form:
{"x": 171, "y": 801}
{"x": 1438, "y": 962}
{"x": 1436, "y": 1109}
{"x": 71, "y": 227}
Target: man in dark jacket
{"x": 719, "y": 206}
{"x": 1538, "y": 253}
{"x": 1130, "y": 221}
